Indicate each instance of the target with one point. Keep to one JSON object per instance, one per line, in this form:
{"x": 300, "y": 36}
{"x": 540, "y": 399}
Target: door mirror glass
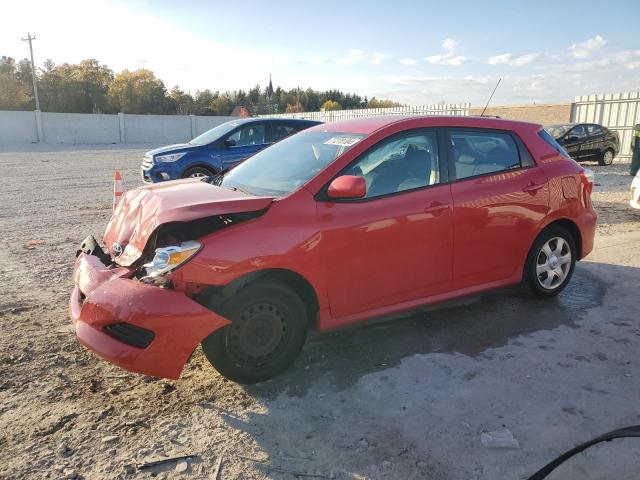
{"x": 347, "y": 186}
{"x": 229, "y": 142}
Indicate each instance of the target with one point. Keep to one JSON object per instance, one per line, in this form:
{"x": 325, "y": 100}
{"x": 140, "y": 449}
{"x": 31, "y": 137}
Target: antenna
{"x": 494, "y": 91}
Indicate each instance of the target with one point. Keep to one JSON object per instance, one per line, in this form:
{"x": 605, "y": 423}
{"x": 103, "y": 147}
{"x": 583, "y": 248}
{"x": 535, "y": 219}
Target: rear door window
{"x": 594, "y": 129}
{"x": 479, "y": 152}
{"x": 281, "y": 130}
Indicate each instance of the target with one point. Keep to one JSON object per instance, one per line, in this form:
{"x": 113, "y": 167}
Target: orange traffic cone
{"x": 118, "y": 188}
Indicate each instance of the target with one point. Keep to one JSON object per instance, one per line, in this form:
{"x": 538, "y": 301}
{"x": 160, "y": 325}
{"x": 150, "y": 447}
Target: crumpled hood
{"x": 142, "y": 210}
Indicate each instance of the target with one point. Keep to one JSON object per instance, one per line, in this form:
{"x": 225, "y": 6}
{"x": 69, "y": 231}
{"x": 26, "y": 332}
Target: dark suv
{"x": 587, "y": 141}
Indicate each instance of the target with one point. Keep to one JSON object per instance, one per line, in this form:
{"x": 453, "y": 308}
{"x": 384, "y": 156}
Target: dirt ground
{"x": 405, "y": 398}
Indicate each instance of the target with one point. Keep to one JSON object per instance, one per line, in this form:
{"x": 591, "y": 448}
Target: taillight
{"x": 589, "y": 176}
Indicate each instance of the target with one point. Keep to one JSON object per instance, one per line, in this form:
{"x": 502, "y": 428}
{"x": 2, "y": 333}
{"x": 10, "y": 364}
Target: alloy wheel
{"x": 553, "y": 263}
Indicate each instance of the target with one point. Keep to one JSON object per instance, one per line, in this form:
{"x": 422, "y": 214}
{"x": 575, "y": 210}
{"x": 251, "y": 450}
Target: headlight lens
{"x": 167, "y": 259}
{"x": 172, "y": 157}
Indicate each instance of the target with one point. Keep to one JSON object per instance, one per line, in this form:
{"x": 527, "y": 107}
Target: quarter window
{"x": 398, "y": 165}
{"x": 479, "y": 153}
{"x": 249, "y": 135}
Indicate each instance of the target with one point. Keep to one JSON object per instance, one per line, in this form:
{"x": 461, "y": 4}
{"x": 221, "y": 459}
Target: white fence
{"x": 335, "y": 115}
{"x": 86, "y": 128}
{"x": 617, "y": 111}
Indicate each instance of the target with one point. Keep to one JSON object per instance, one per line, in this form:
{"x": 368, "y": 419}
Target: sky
{"x": 414, "y": 52}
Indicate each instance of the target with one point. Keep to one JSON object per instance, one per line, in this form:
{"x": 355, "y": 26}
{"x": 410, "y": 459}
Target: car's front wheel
{"x": 550, "y": 262}
{"x": 607, "y": 157}
{"x": 268, "y": 329}
{"x": 197, "y": 172}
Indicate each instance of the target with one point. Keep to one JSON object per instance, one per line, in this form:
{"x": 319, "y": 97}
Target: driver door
{"x": 248, "y": 139}
{"x": 394, "y": 245}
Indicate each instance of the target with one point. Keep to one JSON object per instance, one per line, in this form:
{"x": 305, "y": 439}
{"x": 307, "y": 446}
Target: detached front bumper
{"x": 168, "y": 322}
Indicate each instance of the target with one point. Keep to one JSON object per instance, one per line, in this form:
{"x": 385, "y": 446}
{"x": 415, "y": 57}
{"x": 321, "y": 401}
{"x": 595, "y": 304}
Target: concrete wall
{"x": 545, "y": 113}
{"x": 79, "y": 128}
{"x": 18, "y": 127}
{"x": 202, "y": 124}
{"x": 157, "y": 128}
{"x": 82, "y": 128}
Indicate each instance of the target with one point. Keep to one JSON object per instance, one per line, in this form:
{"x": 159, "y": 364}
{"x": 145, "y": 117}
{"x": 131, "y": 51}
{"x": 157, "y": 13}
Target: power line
{"x": 33, "y": 70}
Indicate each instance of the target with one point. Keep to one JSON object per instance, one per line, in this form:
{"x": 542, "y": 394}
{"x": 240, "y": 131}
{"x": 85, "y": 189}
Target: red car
{"x": 335, "y": 225}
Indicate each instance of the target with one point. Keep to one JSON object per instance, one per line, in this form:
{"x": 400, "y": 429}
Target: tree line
{"x": 89, "y": 87}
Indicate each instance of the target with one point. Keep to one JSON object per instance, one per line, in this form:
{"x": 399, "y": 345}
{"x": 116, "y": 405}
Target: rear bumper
{"x": 103, "y": 297}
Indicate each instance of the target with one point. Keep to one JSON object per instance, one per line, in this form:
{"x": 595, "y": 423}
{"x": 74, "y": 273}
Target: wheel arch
{"x": 571, "y": 227}
{"x": 215, "y": 296}
{"x": 199, "y": 164}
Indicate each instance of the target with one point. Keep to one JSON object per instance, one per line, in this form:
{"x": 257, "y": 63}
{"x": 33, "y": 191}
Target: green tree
{"x": 75, "y": 87}
{"x": 331, "y": 105}
{"x": 138, "y": 92}
{"x": 13, "y": 94}
{"x": 183, "y": 102}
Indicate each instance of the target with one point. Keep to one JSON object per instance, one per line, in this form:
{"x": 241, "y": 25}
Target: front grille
{"x": 130, "y": 334}
{"x": 147, "y": 162}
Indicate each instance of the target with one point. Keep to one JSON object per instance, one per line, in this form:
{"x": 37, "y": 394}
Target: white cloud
{"x": 512, "y": 60}
{"x": 449, "y": 57}
{"x": 408, "y": 61}
{"x": 354, "y": 56}
{"x": 376, "y": 58}
{"x": 588, "y": 47}
{"x": 449, "y": 44}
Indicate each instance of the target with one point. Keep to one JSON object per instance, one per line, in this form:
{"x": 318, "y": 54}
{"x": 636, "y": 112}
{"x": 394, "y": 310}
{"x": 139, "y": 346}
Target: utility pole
{"x": 33, "y": 70}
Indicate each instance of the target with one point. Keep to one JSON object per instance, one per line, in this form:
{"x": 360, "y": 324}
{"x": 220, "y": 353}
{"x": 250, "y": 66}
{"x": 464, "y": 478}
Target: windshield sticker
{"x": 342, "y": 141}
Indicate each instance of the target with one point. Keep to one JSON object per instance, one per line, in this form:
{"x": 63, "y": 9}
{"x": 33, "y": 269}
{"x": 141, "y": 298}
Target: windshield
{"x": 215, "y": 133}
{"x": 289, "y": 164}
{"x": 557, "y": 131}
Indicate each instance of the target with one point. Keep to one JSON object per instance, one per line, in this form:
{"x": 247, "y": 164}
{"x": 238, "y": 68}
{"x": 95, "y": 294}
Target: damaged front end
{"x": 124, "y": 305}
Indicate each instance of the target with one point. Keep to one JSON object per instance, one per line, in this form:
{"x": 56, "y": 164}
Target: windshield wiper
{"x": 237, "y": 189}
{"x": 217, "y": 178}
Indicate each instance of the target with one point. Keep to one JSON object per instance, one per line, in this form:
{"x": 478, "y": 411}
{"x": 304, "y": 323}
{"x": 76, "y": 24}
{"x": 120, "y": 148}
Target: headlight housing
{"x": 170, "y": 157}
{"x": 167, "y": 259}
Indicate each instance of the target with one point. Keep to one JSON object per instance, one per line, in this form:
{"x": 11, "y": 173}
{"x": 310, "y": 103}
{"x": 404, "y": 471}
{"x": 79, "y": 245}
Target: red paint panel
{"x": 178, "y": 322}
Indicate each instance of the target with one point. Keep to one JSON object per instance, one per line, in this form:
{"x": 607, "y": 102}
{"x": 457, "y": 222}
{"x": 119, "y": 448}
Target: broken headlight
{"x": 167, "y": 259}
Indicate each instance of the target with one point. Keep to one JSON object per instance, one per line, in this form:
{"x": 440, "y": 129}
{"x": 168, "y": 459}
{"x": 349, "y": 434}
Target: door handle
{"x": 436, "y": 208}
{"x": 532, "y": 187}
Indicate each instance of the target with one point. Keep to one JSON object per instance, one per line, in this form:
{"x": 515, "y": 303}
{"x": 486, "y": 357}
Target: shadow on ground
{"x": 468, "y": 326}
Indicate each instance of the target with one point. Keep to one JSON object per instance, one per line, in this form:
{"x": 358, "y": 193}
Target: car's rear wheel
{"x": 268, "y": 329}
{"x": 197, "y": 172}
{"x": 607, "y": 157}
{"x": 550, "y": 262}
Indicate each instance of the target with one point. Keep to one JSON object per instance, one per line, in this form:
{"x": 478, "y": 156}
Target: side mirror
{"x": 229, "y": 142}
{"x": 572, "y": 138}
{"x": 347, "y": 186}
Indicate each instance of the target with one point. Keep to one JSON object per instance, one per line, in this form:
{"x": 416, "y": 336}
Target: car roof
{"x": 243, "y": 121}
{"x": 369, "y": 125}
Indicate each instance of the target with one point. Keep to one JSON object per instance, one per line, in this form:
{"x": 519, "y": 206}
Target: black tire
{"x": 198, "y": 172}
{"x": 268, "y": 330}
{"x": 538, "y": 281}
{"x": 607, "y": 157}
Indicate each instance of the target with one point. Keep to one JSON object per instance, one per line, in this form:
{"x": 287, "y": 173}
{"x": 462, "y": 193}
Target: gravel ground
{"x": 407, "y": 398}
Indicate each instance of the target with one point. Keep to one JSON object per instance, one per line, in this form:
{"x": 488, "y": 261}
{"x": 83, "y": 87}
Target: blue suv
{"x": 218, "y": 149}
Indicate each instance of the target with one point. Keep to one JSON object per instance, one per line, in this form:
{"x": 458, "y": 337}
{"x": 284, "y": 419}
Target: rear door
{"x": 594, "y": 142}
{"x": 499, "y": 198}
{"x": 573, "y": 141}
